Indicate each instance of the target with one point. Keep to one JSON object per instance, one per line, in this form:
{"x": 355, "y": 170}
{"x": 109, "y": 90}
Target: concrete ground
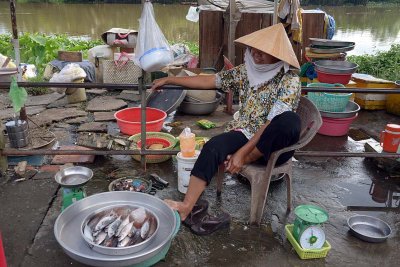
{"x": 342, "y": 186}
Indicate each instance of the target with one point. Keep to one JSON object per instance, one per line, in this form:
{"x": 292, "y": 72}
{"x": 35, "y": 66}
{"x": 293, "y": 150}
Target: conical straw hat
{"x": 273, "y": 41}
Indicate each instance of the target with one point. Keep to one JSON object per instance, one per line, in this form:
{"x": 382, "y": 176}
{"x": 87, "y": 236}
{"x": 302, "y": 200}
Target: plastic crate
{"x": 331, "y": 102}
{"x": 305, "y": 254}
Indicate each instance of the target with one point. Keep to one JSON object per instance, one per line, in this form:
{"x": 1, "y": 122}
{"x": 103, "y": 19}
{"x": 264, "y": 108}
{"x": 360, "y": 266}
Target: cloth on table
{"x": 308, "y": 70}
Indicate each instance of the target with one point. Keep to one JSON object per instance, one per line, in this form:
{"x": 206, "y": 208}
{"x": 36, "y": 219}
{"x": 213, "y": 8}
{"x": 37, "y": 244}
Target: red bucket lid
{"x": 392, "y": 127}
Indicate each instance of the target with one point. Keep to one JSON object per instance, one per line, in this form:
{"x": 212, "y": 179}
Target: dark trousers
{"x": 283, "y": 131}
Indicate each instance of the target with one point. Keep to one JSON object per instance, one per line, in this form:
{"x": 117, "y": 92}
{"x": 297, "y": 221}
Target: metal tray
{"x": 335, "y": 66}
{"x": 68, "y": 224}
{"x": 117, "y": 250}
{"x": 350, "y": 111}
{"x": 369, "y": 228}
{"x": 73, "y": 176}
{"x": 328, "y": 42}
{"x": 167, "y": 100}
{"x": 319, "y": 50}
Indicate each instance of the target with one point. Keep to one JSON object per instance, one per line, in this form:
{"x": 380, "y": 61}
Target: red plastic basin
{"x": 129, "y": 120}
{"x": 155, "y": 140}
{"x": 335, "y": 127}
{"x": 325, "y": 77}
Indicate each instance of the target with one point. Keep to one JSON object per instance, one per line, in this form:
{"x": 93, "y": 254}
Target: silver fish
{"x": 122, "y": 225}
{"x": 106, "y": 220}
{"x": 144, "y": 231}
{"x": 136, "y": 239}
{"x": 113, "y": 227}
{"x": 125, "y": 231}
{"x": 153, "y": 226}
{"x": 88, "y": 233}
{"x": 110, "y": 242}
{"x": 133, "y": 231}
{"x": 124, "y": 242}
{"x": 96, "y": 233}
{"x": 100, "y": 238}
{"x": 95, "y": 219}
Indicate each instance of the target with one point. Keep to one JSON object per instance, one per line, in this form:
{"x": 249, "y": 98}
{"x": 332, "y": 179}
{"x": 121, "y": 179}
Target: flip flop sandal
{"x": 210, "y": 224}
{"x": 198, "y": 212}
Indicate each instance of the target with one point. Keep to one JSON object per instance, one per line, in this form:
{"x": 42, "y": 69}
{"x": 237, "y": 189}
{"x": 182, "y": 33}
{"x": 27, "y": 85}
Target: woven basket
{"x": 122, "y": 74}
{"x": 169, "y": 142}
{"x": 331, "y": 102}
{"x": 305, "y": 254}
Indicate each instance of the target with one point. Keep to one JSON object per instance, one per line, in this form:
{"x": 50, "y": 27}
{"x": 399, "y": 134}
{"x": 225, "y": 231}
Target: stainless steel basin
{"x": 335, "y": 66}
{"x": 351, "y": 110}
{"x": 200, "y": 108}
{"x": 368, "y": 228}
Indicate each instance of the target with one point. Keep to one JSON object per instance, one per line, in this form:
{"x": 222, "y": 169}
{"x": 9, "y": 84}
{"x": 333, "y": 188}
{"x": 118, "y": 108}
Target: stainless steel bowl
{"x": 335, "y": 67}
{"x": 73, "y": 176}
{"x": 351, "y": 110}
{"x": 330, "y": 43}
{"x": 368, "y": 228}
{"x": 117, "y": 250}
{"x": 201, "y": 108}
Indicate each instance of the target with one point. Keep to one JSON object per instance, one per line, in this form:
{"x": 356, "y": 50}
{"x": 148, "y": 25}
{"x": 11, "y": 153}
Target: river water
{"x": 372, "y": 28}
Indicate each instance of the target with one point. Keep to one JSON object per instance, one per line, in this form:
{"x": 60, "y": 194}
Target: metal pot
{"x": 200, "y": 108}
{"x": 67, "y": 229}
{"x": 118, "y": 250}
{"x": 335, "y": 67}
{"x": 350, "y": 110}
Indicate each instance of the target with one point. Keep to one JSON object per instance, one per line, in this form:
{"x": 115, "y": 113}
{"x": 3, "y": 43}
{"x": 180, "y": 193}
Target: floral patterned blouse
{"x": 259, "y": 105}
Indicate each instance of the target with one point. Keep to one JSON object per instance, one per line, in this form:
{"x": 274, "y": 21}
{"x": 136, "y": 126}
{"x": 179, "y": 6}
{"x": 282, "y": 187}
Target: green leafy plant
{"x": 384, "y": 64}
{"x": 40, "y": 49}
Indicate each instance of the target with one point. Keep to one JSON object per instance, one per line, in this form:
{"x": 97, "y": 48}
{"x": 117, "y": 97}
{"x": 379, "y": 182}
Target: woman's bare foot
{"x": 181, "y": 207}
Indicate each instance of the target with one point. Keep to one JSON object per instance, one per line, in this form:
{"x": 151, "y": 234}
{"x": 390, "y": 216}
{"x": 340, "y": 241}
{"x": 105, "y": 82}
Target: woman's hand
{"x": 234, "y": 163}
{"x": 157, "y": 84}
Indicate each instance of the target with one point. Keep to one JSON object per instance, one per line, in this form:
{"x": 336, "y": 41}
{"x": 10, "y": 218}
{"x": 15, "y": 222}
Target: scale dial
{"x": 313, "y": 237}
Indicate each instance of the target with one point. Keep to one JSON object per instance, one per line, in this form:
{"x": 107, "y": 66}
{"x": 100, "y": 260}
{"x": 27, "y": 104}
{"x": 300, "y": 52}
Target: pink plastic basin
{"x": 335, "y": 127}
{"x": 129, "y": 122}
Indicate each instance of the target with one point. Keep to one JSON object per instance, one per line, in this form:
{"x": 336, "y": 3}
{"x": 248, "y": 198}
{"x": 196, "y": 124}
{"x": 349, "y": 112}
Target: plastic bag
{"x": 193, "y": 14}
{"x": 152, "y": 51}
{"x": 70, "y": 73}
{"x": 206, "y": 124}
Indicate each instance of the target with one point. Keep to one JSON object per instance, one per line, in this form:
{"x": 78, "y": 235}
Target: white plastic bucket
{"x": 185, "y": 166}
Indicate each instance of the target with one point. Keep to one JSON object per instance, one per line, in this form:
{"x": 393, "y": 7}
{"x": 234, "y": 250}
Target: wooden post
{"x": 3, "y": 158}
{"x": 234, "y": 18}
{"x": 313, "y": 27}
{"x": 142, "y": 92}
{"x": 211, "y": 27}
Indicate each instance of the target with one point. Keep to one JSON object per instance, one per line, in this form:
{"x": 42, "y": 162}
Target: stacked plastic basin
{"x": 337, "y": 111}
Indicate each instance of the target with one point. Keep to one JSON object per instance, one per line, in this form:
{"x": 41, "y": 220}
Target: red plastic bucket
{"x": 325, "y": 77}
{"x": 129, "y": 120}
{"x": 335, "y": 127}
{"x": 390, "y": 138}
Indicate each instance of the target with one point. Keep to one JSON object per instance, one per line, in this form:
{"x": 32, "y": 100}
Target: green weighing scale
{"x": 72, "y": 180}
{"x": 307, "y": 229}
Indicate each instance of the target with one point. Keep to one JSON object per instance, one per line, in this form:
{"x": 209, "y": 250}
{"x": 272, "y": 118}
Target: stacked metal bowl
{"x": 333, "y": 71}
{"x": 338, "y": 123}
{"x": 195, "y": 106}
